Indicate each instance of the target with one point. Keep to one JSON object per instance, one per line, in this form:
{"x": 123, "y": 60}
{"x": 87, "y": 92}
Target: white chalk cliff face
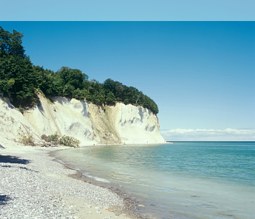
{"x": 13, "y": 125}
{"x": 92, "y": 125}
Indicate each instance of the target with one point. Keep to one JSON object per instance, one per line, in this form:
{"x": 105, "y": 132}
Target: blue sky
{"x": 127, "y": 10}
{"x": 201, "y": 74}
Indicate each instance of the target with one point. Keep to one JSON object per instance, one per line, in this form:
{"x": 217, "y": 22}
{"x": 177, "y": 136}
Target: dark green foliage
{"x": 10, "y": 43}
{"x": 17, "y": 79}
{"x": 117, "y": 92}
{"x": 20, "y": 80}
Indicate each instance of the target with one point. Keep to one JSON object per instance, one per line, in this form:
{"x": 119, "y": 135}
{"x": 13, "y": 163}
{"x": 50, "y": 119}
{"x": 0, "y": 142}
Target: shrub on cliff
{"x": 27, "y": 140}
{"x": 65, "y": 140}
{"x": 69, "y": 141}
{"x": 51, "y": 138}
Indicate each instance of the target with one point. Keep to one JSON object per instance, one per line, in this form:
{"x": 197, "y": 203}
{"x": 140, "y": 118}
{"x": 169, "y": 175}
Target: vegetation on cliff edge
{"x": 20, "y": 80}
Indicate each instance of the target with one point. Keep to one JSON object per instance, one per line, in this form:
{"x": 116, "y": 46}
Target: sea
{"x": 177, "y": 180}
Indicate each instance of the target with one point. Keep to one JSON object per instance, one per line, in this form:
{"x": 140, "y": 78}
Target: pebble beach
{"x": 33, "y": 185}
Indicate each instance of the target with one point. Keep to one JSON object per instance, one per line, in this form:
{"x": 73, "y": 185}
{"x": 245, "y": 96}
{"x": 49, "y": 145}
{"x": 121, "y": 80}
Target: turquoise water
{"x": 179, "y": 180}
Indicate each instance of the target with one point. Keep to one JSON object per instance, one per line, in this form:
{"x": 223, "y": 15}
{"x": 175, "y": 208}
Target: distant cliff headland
{"x": 66, "y": 102}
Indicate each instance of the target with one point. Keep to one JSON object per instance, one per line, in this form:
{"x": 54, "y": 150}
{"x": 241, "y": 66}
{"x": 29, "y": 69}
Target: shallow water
{"x": 179, "y": 180}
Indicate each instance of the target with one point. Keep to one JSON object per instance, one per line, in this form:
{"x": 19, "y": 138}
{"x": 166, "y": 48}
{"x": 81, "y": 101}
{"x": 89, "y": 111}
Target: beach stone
{"x": 42, "y": 189}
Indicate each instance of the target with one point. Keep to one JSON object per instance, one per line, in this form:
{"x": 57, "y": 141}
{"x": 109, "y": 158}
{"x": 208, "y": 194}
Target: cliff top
{"x": 20, "y": 80}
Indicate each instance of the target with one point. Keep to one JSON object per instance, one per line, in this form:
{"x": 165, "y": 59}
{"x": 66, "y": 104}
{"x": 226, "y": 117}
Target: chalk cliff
{"x": 89, "y": 123}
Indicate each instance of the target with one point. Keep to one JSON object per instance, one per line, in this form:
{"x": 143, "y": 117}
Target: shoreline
{"x": 44, "y": 188}
{"x": 130, "y": 205}
{"x": 133, "y": 206}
